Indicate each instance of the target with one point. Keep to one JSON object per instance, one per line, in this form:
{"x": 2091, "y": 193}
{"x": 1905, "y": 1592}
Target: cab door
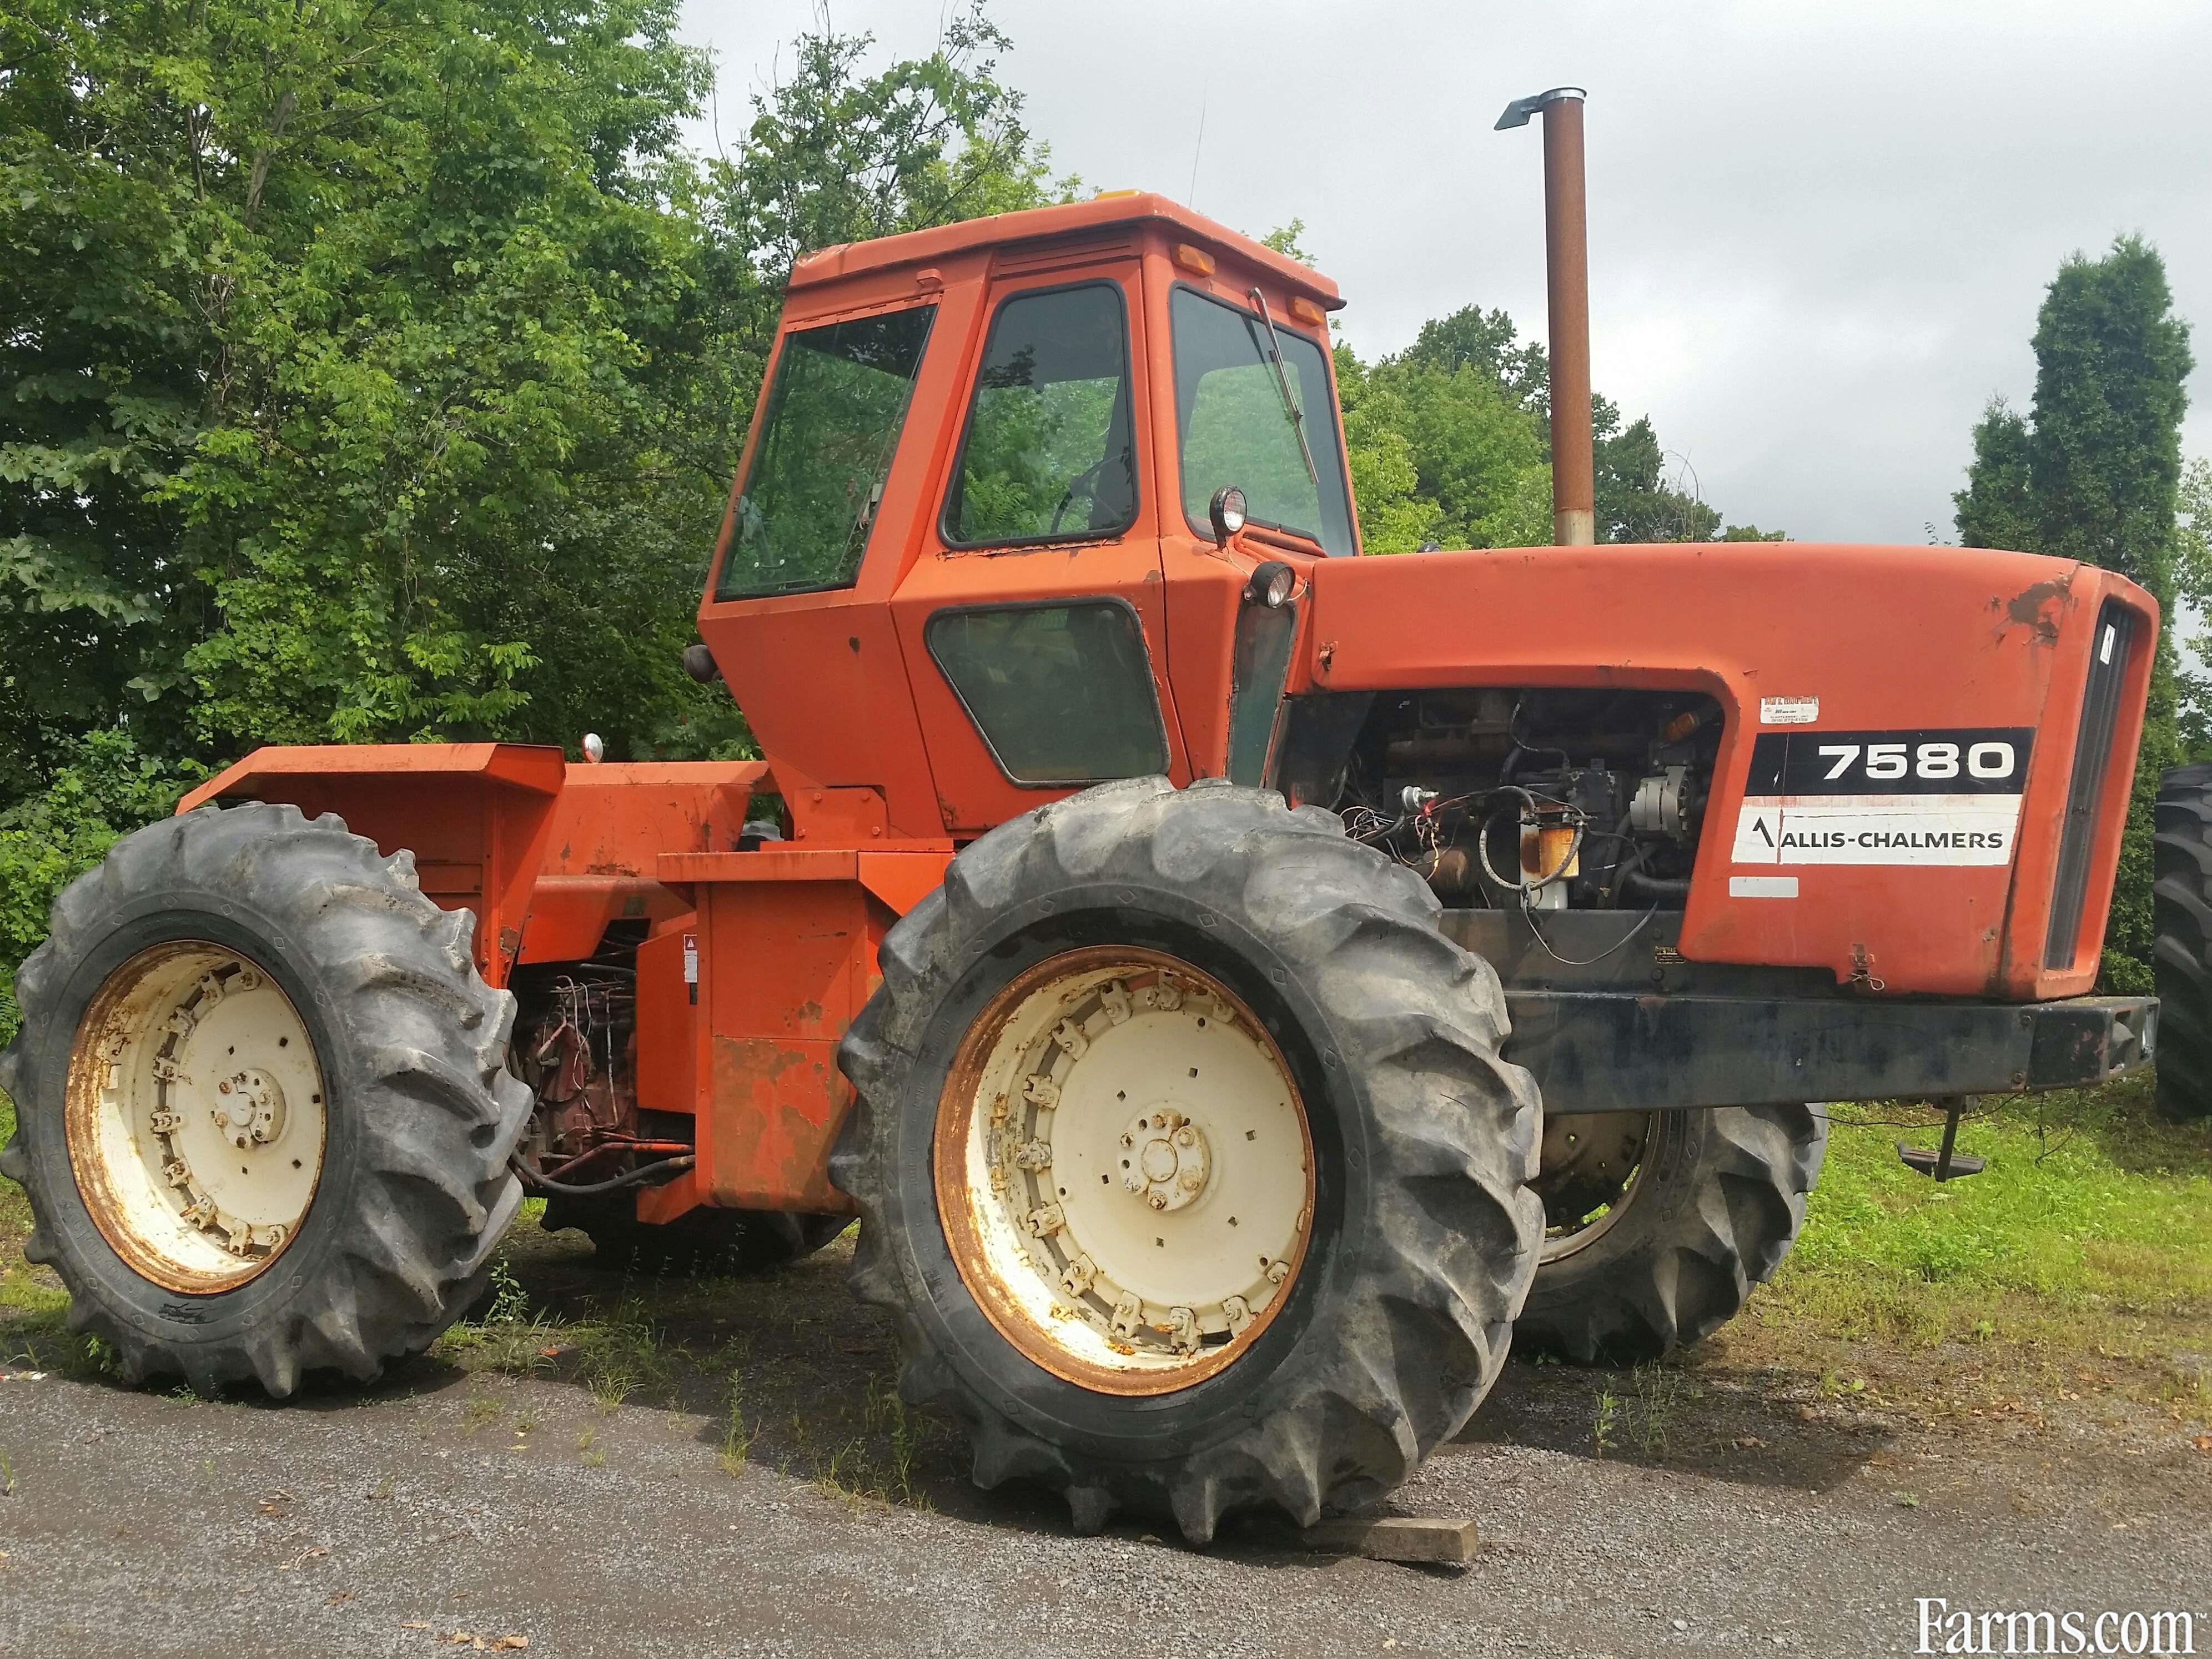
{"x": 1246, "y": 400}
{"x": 1032, "y": 623}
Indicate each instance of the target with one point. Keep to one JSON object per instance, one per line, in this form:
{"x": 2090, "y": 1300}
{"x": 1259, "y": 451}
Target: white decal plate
{"x": 1789, "y": 711}
{"x": 1905, "y": 829}
{"x": 1762, "y": 887}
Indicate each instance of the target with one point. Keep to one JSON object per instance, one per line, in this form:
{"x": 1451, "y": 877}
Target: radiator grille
{"x": 2085, "y": 791}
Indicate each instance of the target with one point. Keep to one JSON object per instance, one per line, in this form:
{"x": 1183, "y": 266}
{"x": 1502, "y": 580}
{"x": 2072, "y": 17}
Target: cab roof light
{"x": 1306, "y": 311}
{"x": 1194, "y": 258}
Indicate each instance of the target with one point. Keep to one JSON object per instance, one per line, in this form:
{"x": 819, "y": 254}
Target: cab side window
{"x": 1050, "y": 449}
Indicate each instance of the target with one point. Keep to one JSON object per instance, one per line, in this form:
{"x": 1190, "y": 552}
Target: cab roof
{"x": 916, "y": 248}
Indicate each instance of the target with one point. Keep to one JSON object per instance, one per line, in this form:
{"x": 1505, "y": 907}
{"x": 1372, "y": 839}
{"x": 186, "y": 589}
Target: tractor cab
{"x": 972, "y": 555}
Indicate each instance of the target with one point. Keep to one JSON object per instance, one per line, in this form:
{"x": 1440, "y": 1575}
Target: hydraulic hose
{"x": 666, "y": 1168}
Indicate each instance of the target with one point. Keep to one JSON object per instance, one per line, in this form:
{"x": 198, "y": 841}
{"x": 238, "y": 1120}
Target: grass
{"x": 2079, "y": 1261}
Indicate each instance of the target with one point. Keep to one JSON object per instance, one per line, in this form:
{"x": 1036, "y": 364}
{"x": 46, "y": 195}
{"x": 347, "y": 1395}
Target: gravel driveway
{"x": 596, "y": 1509}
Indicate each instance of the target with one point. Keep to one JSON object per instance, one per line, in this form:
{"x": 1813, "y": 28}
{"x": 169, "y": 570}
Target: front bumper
{"x": 1601, "y": 1051}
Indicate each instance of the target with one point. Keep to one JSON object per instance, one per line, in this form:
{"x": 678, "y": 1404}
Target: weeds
{"x": 1641, "y": 1407}
{"x": 737, "y": 1438}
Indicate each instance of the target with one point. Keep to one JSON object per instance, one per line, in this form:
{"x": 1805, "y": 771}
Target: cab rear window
{"x": 826, "y": 443}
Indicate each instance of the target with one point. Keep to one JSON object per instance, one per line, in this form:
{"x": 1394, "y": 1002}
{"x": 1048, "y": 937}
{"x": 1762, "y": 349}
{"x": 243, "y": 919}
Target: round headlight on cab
{"x": 1272, "y": 585}
{"x": 1226, "y": 510}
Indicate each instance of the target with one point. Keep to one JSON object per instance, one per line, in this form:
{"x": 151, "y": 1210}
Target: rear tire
{"x": 1715, "y": 1201}
{"x": 2182, "y": 956}
{"x": 1319, "y": 963}
{"x": 704, "y": 1242}
{"x": 185, "y": 965}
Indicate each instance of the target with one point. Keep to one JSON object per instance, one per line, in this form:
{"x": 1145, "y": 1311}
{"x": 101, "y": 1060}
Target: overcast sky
{"x": 1819, "y": 233}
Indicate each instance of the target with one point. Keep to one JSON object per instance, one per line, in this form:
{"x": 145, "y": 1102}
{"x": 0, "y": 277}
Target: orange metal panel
{"x": 475, "y": 816}
{"x": 1161, "y": 219}
{"x": 617, "y": 819}
{"x": 667, "y": 1022}
{"x": 569, "y": 914}
{"x": 903, "y": 880}
{"x": 1888, "y": 638}
{"x": 784, "y": 965}
{"x": 770, "y": 863}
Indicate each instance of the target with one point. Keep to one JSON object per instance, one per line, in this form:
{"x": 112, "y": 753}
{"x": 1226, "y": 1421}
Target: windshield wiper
{"x": 1283, "y": 385}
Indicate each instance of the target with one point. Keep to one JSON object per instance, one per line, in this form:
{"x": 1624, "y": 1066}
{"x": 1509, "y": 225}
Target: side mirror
{"x": 699, "y": 663}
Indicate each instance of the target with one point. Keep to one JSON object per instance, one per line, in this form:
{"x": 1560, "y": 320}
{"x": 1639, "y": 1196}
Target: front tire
{"x": 245, "y": 990}
{"x": 1660, "y": 1223}
{"x": 1339, "y": 1115}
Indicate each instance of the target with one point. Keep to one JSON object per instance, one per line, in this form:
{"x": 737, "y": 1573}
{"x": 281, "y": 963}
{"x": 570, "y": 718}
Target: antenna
{"x": 1190, "y": 197}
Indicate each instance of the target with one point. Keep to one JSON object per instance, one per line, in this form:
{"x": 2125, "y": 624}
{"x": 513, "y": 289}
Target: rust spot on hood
{"x": 2038, "y": 608}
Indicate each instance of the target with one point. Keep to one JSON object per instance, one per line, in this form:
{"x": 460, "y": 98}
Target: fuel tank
{"x": 1926, "y": 753}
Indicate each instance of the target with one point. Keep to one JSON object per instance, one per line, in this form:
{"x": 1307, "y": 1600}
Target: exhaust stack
{"x": 1566, "y": 249}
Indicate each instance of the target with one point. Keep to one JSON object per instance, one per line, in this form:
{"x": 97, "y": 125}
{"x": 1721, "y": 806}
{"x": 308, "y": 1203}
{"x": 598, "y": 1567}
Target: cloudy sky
{"x": 1819, "y": 233}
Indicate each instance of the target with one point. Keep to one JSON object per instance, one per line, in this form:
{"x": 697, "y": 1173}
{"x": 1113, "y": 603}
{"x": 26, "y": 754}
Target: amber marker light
{"x": 1305, "y": 311}
{"x": 1194, "y": 258}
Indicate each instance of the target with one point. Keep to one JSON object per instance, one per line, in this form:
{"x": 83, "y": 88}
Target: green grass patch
{"x": 2089, "y": 1202}
{"x": 2077, "y": 1266}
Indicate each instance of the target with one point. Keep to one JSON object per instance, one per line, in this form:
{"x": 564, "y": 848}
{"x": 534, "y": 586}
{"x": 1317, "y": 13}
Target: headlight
{"x": 1271, "y": 585}
{"x": 1227, "y": 512}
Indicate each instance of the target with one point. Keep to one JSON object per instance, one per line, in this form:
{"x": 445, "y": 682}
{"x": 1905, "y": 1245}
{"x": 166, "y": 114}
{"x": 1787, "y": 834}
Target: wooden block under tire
{"x": 1395, "y": 1538}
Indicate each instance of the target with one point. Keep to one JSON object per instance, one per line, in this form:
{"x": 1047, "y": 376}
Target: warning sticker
{"x": 1878, "y": 829}
{"x": 1789, "y": 711}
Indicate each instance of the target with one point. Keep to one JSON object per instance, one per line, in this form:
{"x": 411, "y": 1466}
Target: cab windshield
{"x": 1235, "y": 429}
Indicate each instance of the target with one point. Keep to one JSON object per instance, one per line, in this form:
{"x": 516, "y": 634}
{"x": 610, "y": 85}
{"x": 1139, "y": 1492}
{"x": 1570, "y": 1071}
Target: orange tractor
{"x": 1240, "y": 985}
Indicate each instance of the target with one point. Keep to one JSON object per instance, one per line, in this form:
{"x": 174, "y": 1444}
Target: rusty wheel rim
{"x": 1591, "y": 1173}
{"x": 1124, "y": 1171}
{"x": 195, "y": 1116}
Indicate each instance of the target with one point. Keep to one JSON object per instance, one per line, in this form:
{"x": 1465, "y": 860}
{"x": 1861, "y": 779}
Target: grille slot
{"x": 2092, "y": 757}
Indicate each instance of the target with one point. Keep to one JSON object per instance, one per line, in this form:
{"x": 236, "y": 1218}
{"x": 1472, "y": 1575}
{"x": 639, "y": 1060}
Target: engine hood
{"x": 1800, "y": 642}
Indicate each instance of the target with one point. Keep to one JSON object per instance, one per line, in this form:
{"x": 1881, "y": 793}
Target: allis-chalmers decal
{"x": 1915, "y": 797}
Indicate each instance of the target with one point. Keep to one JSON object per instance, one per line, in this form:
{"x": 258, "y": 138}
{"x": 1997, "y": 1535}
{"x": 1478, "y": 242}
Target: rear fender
{"x": 477, "y": 817}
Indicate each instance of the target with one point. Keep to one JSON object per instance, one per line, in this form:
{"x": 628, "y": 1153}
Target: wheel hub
{"x": 1170, "y": 1161}
{"x": 1588, "y": 1174}
{"x": 1134, "y": 1250}
{"x": 196, "y": 1117}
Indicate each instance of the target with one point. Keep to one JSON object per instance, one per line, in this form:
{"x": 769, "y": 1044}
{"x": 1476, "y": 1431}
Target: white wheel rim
{"x": 196, "y": 1115}
{"x": 1124, "y": 1171}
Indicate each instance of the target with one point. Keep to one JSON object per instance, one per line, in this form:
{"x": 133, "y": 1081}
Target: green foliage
{"x": 1450, "y": 443}
{"x": 1997, "y": 507}
{"x": 102, "y": 789}
{"x": 2095, "y": 473}
{"x": 375, "y": 372}
{"x": 2192, "y": 566}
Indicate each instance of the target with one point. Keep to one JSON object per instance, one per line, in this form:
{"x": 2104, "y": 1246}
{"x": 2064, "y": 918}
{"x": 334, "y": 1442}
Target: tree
{"x": 2094, "y": 473}
{"x": 375, "y": 371}
{"x": 2192, "y": 578}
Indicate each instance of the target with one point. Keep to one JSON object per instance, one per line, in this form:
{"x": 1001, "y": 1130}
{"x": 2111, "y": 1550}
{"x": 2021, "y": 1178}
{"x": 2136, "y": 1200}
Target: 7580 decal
{"x": 1972, "y": 761}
